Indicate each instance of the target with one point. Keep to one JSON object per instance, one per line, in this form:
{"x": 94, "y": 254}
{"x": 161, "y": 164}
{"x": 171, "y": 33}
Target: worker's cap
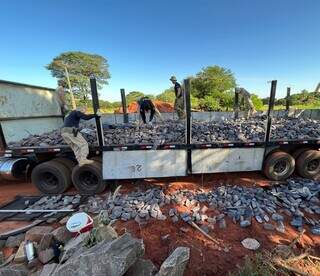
{"x": 173, "y": 78}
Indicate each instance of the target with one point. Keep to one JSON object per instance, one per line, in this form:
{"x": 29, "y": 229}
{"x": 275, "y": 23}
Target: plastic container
{"x": 79, "y": 223}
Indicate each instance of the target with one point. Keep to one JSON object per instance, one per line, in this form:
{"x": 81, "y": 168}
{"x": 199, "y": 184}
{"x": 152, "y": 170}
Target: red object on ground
{"x": 162, "y": 107}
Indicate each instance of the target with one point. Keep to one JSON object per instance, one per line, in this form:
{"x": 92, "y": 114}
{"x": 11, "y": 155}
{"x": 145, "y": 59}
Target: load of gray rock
{"x": 171, "y": 131}
{"x": 297, "y": 198}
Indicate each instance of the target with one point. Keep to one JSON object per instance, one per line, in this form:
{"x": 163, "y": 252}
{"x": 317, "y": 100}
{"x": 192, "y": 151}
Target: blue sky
{"x": 146, "y": 41}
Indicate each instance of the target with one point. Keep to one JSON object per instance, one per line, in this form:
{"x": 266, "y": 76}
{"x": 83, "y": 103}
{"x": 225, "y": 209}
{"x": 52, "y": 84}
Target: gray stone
{"x": 175, "y": 219}
{"x": 14, "y": 241}
{"x": 259, "y": 219}
{"x": 142, "y": 267}
{"x": 14, "y": 270}
{"x": 45, "y": 242}
{"x": 296, "y": 222}
{"x": 268, "y": 226}
{"x": 46, "y": 255}
{"x": 105, "y": 233}
{"x": 220, "y": 217}
{"x": 222, "y": 224}
{"x": 176, "y": 263}
{"x": 277, "y": 217}
{"x": 2, "y": 244}
{"x": 315, "y": 230}
{"x": 280, "y": 227}
{"x": 106, "y": 258}
{"x": 74, "y": 245}
{"x": 48, "y": 269}
{"x": 205, "y": 228}
{"x": 125, "y": 216}
{"x": 62, "y": 234}
{"x": 245, "y": 223}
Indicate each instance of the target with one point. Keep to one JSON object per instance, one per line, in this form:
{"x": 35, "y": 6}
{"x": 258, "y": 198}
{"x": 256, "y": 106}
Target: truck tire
{"x": 88, "y": 178}
{"x": 308, "y": 164}
{"x": 70, "y": 164}
{"x": 51, "y": 177}
{"x": 279, "y": 165}
{"x": 298, "y": 152}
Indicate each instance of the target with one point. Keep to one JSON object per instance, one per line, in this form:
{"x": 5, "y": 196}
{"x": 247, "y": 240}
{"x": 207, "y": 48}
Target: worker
{"x": 70, "y": 134}
{"x": 145, "y": 105}
{"x": 247, "y": 100}
{"x": 62, "y": 98}
{"x": 179, "y": 100}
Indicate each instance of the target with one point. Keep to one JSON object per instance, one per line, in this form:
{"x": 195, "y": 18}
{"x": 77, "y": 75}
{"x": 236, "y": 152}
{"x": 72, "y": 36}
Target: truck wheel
{"x": 51, "y": 177}
{"x": 97, "y": 158}
{"x": 308, "y": 164}
{"x": 70, "y": 164}
{"x": 298, "y": 152}
{"x": 88, "y": 178}
{"x": 278, "y": 165}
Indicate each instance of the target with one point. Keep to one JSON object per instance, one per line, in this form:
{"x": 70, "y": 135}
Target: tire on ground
{"x": 51, "y": 177}
{"x": 298, "y": 152}
{"x": 88, "y": 178}
{"x": 278, "y": 165}
{"x": 308, "y": 164}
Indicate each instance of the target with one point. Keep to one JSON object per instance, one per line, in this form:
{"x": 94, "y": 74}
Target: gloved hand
{"x": 98, "y": 113}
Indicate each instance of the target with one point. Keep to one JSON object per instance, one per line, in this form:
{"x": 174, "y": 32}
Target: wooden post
{"x": 73, "y": 102}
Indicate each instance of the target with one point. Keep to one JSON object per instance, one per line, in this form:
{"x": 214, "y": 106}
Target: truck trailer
{"x": 28, "y": 109}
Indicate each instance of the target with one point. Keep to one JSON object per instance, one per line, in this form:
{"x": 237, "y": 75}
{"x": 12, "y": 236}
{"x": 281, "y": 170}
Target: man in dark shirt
{"x": 70, "y": 134}
{"x": 179, "y": 101}
{"x": 146, "y": 105}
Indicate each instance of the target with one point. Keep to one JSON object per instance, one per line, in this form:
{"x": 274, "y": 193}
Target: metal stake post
{"x": 96, "y": 106}
{"x": 270, "y": 109}
{"x": 288, "y": 98}
{"x": 124, "y": 106}
{"x": 188, "y": 124}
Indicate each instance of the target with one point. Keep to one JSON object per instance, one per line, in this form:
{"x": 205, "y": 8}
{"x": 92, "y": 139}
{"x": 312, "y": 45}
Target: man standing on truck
{"x": 179, "y": 101}
{"x": 145, "y": 105}
{"x": 71, "y": 135}
{"x": 247, "y": 100}
{"x": 62, "y": 98}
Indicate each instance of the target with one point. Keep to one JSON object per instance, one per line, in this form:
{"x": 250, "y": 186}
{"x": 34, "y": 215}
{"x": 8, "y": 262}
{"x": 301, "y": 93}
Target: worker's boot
{"x": 85, "y": 162}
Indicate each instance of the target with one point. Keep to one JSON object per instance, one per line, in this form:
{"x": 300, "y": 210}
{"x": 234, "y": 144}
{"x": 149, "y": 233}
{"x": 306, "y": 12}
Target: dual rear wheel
{"x": 58, "y": 175}
{"x": 280, "y": 165}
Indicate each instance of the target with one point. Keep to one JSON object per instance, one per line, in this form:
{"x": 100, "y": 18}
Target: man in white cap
{"x": 179, "y": 101}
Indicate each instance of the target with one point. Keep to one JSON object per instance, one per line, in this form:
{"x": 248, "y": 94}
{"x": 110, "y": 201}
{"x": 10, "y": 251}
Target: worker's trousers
{"x": 78, "y": 144}
{"x": 179, "y": 107}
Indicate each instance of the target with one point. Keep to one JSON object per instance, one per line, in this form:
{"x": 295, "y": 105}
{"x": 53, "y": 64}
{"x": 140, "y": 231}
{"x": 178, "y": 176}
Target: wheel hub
{"x": 313, "y": 165}
{"x": 281, "y": 167}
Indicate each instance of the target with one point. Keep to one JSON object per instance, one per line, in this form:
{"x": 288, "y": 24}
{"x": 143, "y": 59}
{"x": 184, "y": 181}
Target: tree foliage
{"x": 167, "y": 96}
{"x": 257, "y": 102}
{"x": 134, "y": 96}
{"x": 80, "y": 67}
{"x": 212, "y": 79}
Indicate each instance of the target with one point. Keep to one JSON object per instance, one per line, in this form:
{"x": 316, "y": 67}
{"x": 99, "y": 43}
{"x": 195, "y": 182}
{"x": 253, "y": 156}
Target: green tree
{"x": 210, "y": 103}
{"x": 212, "y": 79}
{"x": 80, "y": 67}
{"x": 257, "y": 102}
{"x": 167, "y": 96}
{"x": 134, "y": 96}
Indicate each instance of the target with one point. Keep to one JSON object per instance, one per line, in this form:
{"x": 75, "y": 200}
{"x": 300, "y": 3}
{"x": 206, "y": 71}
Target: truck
{"x": 28, "y": 109}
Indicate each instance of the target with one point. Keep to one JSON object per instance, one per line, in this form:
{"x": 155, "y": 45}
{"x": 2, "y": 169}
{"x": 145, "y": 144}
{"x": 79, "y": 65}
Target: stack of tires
{"x": 279, "y": 165}
{"x": 58, "y": 175}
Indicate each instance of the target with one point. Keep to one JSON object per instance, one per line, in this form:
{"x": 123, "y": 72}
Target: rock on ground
{"x": 36, "y": 233}
{"x": 106, "y": 258}
{"x": 15, "y": 270}
{"x": 48, "y": 269}
{"x": 14, "y": 241}
{"x": 142, "y": 267}
{"x": 176, "y": 263}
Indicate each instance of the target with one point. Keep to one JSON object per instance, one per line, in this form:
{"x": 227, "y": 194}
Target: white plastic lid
{"x": 77, "y": 222}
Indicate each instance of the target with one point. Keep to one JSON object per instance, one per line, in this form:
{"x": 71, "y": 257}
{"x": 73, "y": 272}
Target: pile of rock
{"x": 297, "y": 198}
{"x": 171, "y": 131}
{"x": 59, "y": 254}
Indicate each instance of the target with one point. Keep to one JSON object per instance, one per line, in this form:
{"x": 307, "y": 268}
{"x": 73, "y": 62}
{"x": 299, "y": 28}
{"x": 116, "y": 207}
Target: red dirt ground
{"x": 207, "y": 257}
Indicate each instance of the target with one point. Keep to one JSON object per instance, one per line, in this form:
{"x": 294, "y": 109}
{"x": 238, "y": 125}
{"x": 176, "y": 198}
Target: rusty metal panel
{"x": 144, "y": 164}
{"x": 227, "y": 160}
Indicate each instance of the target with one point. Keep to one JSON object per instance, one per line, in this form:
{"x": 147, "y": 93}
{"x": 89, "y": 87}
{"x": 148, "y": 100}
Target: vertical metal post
{"x": 188, "y": 123}
{"x": 96, "y": 106}
{"x": 288, "y": 99}
{"x": 236, "y": 103}
{"x": 124, "y": 106}
{"x": 270, "y": 109}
